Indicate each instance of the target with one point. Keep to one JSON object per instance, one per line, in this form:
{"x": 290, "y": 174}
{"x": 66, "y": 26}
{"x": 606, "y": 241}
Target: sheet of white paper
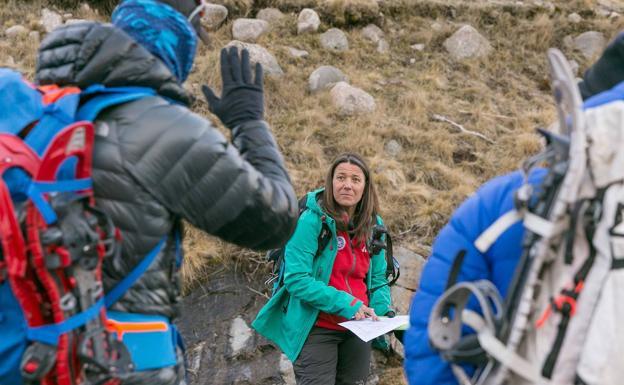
{"x": 368, "y": 329}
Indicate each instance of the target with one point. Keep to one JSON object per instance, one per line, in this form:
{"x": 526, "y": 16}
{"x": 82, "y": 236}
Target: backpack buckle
{"x": 37, "y": 361}
{"x": 564, "y": 303}
{"x": 105, "y": 357}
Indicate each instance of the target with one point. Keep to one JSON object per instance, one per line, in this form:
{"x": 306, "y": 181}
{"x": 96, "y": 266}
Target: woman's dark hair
{"x": 366, "y": 210}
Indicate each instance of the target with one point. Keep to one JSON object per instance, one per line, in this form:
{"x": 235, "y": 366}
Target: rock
{"x": 34, "y": 35}
{"x": 412, "y": 60}
{"x": 239, "y": 335}
{"x": 417, "y": 47}
{"x": 383, "y": 46}
{"x": 270, "y": 15}
{"x": 467, "y": 43}
{"x": 411, "y": 267}
{"x": 436, "y": 26}
{"x": 75, "y": 21}
{"x": 16, "y": 30}
{"x": 286, "y": 371}
{"x": 334, "y": 39}
{"x": 612, "y": 5}
{"x": 214, "y": 16}
{"x": 614, "y": 15}
{"x": 195, "y": 356}
{"x": 258, "y": 54}
{"x": 574, "y": 18}
{"x": 568, "y": 42}
{"x": 297, "y": 53}
{"x": 574, "y": 66}
{"x": 50, "y": 20}
{"x": 308, "y": 21}
{"x": 403, "y": 291}
{"x": 249, "y": 29}
{"x": 84, "y": 7}
{"x": 393, "y": 148}
{"x": 67, "y": 16}
{"x": 325, "y": 77}
{"x": 373, "y": 33}
{"x": 590, "y": 43}
{"x": 351, "y": 100}
{"x": 10, "y": 62}
{"x": 207, "y": 316}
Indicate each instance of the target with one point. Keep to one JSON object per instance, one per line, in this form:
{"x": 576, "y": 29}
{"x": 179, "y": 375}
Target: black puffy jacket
{"x": 155, "y": 163}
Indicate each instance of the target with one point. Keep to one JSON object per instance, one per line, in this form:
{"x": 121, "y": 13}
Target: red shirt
{"x": 348, "y": 274}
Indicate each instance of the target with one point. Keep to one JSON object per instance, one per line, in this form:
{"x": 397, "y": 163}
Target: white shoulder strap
{"x": 492, "y": 233}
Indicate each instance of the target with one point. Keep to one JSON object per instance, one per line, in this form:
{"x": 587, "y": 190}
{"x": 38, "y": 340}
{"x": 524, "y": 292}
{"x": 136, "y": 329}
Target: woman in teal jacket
{"x": 339, "y": 283}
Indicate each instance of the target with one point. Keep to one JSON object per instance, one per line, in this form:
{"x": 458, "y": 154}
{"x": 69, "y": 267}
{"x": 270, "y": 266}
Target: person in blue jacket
{"x": 423, "y": 365}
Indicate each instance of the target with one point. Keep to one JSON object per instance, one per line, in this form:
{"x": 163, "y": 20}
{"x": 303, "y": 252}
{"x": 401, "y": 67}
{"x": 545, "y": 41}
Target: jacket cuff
{"x": 250, "y": 124}
{"x": 349, "y": 311}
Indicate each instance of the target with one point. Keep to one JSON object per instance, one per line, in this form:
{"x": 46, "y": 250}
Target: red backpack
{"x": 53, "y": 319}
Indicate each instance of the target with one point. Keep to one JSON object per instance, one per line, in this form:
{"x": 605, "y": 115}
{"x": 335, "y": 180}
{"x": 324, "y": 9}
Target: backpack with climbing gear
{"x": 559, "y": 323}
{"x": 54, "y": 326}
{"x": 380, "y": 240}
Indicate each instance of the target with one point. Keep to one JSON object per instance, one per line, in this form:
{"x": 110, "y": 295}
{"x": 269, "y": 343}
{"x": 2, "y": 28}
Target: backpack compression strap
{"x": 50, "y": 333}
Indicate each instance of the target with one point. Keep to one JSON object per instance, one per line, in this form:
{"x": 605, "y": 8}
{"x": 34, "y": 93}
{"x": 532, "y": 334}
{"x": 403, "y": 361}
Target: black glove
{"x": 607, "y": 71}
{"x": 242, "y": 99}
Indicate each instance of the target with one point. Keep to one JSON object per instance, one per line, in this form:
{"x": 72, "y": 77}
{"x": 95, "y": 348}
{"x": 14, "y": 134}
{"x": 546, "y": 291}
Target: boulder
{"x": 50, "y": 20}
{"x": 249, "y": 30}
{"x": 297, "y": 53}
{"x": 350, "y": 100}
{"x": 590, "y": 43}
{"x": 467, "y": 43}
{"x": 574, "y": 18}
{"x": 259, "y": 54}
{"x": 308, "y": 21}
{"x": 393, "y": 148}
{"x": 383, "y": 46}
{"x": 373, "y": 33}
{"x": 335, "y": 40}
{"x": 16, "y": 30}
{"x": 214, "y": 16}
{"x": 325, "y": 77}
{"x": 75, "y": 21}
{"x": 270, "y": 15}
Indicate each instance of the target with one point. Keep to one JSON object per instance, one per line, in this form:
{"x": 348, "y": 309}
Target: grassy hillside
{"x": 504, "y": 97}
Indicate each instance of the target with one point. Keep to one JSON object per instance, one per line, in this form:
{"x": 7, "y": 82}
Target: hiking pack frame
{"x": 546, "y": 213}
{"x": 54, "y": 239}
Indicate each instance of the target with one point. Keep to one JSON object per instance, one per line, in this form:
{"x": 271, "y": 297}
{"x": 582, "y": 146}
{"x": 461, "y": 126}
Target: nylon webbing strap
{"x": 49, "y": 334}
{"x": 125, "y": 284}
{"x": 36, "y": 189}
{"x": 499, "y": 351}
{"x": 543, "y": 227}
{"x": 492, "y": 233}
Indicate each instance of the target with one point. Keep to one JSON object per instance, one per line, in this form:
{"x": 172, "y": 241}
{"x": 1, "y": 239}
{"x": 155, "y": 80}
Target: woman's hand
{"x": 365, "y": 312}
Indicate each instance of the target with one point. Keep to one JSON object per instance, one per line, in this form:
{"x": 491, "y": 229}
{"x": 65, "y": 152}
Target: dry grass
{"x": 505, "y": 97}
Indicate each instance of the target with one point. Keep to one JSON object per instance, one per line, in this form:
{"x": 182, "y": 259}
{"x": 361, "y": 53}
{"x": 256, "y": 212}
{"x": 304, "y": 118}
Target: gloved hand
{"x": 242, "y": 98}
{"x": 607, "y": 71}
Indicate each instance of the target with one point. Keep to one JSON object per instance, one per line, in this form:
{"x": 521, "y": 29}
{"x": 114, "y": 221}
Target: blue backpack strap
{"x": 24, "y": 101}
{"x": 49, "y": 334}
{"x": 98, "y": 98}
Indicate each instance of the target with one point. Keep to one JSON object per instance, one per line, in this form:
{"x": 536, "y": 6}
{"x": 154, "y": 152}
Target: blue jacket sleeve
{"x": 423, "y": 365}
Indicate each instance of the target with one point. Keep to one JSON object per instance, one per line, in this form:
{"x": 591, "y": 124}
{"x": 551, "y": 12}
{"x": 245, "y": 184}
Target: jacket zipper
{"x": 352, "y": 265}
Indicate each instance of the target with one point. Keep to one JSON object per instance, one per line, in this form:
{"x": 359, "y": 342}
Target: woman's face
{"x": 348, "y": 185}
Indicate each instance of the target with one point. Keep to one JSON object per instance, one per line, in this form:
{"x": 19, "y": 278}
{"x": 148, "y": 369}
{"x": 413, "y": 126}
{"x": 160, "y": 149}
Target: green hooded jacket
{"x": 291, "y": 313}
